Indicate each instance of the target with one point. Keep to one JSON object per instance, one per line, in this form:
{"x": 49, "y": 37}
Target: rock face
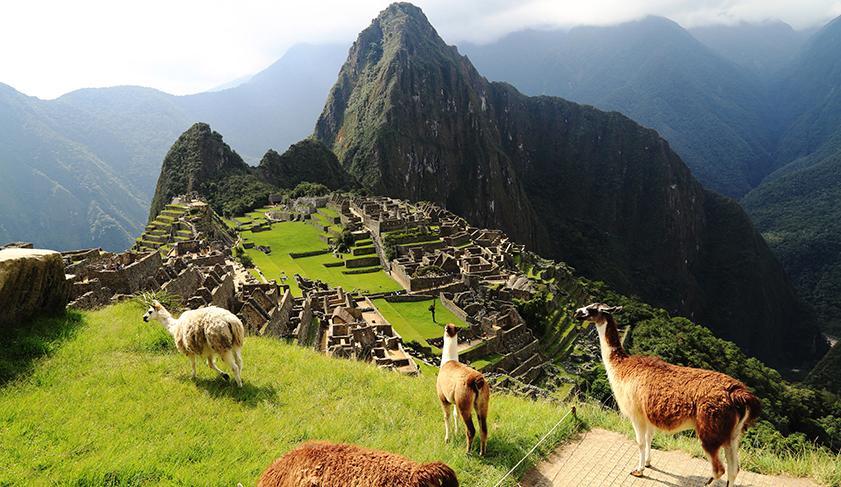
{"x": 31, "y": 282}
{"x": 411, "y": 118}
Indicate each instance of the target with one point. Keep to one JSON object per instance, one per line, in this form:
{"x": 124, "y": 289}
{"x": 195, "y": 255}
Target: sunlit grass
{"x": 413, "y": 321}
{"x": 112, "y": 403}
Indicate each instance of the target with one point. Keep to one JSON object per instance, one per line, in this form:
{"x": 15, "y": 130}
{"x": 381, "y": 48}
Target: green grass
{"x": 485, "y": 361}
{"x": 413, "y": 321}
{"x": 288, "y": 237}
{"x": 112, "y": 403}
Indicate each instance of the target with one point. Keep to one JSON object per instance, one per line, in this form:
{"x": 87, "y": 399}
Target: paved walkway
{"x": 605, "y": 458}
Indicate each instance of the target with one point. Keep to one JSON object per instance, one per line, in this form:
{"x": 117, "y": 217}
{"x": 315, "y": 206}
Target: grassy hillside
{"x": 110, "y": 402}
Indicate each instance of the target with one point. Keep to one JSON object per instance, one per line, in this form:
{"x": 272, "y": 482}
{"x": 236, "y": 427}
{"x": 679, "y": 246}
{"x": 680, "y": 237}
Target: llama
{"x": 205, "y": 332}
{"x": 654, "y": 394}
{"x": 463, "y": 387}
{"x": 322, "y": 463}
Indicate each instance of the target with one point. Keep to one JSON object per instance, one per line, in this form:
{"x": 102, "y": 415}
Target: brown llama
{"x": 463, "y": 387}
{"x": 332, "y": 464}
{"x": 654, "y": 394}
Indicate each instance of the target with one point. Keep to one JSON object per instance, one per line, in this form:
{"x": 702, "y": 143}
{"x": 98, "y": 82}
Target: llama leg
{"x": 193, "y": 364}
{"x": 649, "y": 436}
{"x": 211, "y": 362}
{"x": 639, "y": 432}
{"x": 483, "y": 433}
{"x": 448, "y": 411}
{"x": 229, "y": 359}
{"x": 238, "y": 357}
{"x": 714, "y": 428}
{"x": 466, "y": 416}
{"x": 712, "y": 454}
{"x": 731, "y": 453}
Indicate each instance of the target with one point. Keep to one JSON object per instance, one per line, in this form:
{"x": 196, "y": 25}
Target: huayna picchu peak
{"x": 411, "y": 118}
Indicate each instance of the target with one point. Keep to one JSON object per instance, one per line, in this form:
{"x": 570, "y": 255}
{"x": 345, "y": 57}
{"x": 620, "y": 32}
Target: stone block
{"x": 32, "y": 282}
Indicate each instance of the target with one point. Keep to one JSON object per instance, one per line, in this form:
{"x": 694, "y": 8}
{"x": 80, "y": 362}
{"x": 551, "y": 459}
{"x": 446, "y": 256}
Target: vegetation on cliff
{"x": 200, "y": 161}
{"x": 286, "y": 170}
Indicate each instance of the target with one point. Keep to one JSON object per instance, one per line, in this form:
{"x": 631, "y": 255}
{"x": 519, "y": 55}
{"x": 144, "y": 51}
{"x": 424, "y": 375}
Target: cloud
{"x": 187, "y": 46}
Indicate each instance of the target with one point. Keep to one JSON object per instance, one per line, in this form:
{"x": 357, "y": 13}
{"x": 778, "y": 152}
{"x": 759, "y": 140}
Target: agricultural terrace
{"x": 413, "y": 321}
{"x": 299, "y": 237}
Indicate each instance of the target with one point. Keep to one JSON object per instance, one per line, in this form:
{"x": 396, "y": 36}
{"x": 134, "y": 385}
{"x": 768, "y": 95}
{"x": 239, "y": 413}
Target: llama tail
{"x": 747, "y": 404}
{"x": 477, "y": 383}
{"x": 435, "y": 474}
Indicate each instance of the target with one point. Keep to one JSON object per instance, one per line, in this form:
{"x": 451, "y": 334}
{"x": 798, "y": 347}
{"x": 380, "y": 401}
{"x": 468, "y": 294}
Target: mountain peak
{"x": 199, "y": 157}
{"x": 411, "y": 118}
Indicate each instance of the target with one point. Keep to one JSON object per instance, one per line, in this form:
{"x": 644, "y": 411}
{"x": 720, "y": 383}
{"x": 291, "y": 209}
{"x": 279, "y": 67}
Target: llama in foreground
{"x": 654, "y": 394}
{"x": 322, "y": 463}
{"x": 205, "y": 332}
{"x": 463, "y": 387}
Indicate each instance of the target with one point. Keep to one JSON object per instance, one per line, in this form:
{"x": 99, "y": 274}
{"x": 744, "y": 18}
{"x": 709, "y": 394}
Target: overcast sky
{"x": 187, "y": 46}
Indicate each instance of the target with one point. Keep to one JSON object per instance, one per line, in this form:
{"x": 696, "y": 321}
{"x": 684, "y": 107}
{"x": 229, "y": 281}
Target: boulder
{"x": 31, "y": 282}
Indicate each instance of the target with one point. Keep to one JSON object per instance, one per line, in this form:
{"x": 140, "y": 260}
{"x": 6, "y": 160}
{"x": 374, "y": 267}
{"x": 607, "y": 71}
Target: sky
{"x": 48, "y": 48}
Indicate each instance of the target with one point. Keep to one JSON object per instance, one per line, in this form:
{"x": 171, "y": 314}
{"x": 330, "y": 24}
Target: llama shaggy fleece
{"x": 325, "y": 464}
{"x": 211, "y": 327}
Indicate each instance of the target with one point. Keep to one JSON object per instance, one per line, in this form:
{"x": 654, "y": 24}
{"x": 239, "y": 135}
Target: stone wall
{"x": 31, "y": 282}
{"x": 133, "y": 277}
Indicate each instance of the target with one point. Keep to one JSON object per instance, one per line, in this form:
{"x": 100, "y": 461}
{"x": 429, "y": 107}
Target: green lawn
{"x": 106, "y": 400}
{"x": 414, "y": 322}
{"x": 288, "y": 237}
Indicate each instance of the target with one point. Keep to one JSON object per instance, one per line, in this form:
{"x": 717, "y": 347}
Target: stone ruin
{"x": 473, "y": 271}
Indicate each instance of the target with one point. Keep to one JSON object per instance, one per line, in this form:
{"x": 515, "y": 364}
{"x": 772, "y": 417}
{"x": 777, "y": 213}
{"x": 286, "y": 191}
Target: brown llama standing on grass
{"x": 330, "y": 464}
{"x": 465, "y": 388}
{"x": 654, "y": 394}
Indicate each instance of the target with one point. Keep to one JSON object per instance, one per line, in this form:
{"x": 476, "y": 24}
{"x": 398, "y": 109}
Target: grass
{"x": 112, "y": 403}
{"x": 413, "y": 321}
{"x": 288, "y": 237}
{"x": 485, "y": 361}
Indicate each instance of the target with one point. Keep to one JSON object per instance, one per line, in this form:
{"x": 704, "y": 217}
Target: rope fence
{"x": 572, "y": 411}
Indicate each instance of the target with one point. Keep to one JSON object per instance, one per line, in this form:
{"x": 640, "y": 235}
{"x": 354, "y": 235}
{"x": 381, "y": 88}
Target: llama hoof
{"x": 710, "y": 481}
{"x": 636, "y": 473}
{"x": 647, "y": 464}
{"x": 225, "y": 376}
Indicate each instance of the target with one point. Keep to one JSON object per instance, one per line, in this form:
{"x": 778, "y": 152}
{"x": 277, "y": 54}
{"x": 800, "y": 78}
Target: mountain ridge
{"x": 410, "y": 117}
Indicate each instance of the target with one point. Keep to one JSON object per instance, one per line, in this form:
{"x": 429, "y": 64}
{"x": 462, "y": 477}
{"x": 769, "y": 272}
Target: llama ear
{"x": 156, "y": 304}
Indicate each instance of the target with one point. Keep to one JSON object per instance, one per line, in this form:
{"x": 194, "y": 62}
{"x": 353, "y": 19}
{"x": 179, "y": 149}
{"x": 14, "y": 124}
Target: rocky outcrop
{"x": 31, "y": 283}
{"x": 308, "y": 160}
{"x": 201, "y": 162}
{"x": 411, "y": 118}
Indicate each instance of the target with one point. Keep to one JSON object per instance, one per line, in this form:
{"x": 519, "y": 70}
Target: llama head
{"x": 596, "y": 313}
{"x": 154, "y": 311}
{"x": 451, "y": 330}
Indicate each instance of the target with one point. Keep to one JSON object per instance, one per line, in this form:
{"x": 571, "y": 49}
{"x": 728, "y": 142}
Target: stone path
{"x": 605, "y": 458}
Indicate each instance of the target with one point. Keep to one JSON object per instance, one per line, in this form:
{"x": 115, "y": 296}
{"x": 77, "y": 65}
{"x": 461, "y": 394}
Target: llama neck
{"x": 167, "y": 320}
{"x": 611, "y": 346}
{"x": 450, "y": 350}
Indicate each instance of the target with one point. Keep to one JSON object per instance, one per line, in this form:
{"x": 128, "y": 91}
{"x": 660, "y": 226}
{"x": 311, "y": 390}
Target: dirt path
{"x": 605, "y": 458}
